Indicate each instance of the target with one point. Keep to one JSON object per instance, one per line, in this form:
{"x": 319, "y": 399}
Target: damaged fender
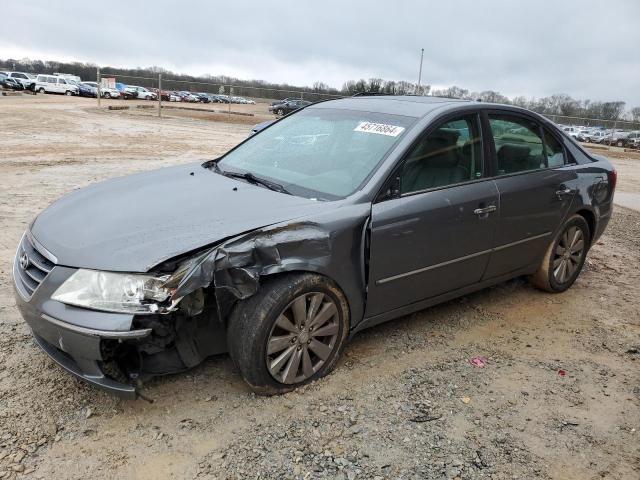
{"x": 235, "y": 266}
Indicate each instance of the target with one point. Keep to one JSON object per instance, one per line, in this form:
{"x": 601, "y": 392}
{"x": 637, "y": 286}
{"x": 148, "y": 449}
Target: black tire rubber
{"x": 544, "y": 278}
{"x": 68, "y": 93}
{"x": 280, "y": 112}
{"x": 107, "y": 95}
{"x": 251, "y": 321}
{"x": 41, "y": 90}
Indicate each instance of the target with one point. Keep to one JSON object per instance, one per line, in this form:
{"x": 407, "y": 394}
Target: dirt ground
{"x": 559, "y": 396}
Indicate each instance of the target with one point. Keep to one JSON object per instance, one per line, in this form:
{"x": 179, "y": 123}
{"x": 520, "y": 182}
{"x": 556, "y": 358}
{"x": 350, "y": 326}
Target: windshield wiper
{"x": 251, "y": 178}
{"x": 248, "y": 176}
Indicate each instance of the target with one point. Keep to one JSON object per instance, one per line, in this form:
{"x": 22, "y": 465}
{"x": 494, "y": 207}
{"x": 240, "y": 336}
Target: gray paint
{"x": 390, "y": 257}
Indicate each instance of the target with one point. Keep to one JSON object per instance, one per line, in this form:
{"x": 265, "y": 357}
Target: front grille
{"x": 30, "y": 267}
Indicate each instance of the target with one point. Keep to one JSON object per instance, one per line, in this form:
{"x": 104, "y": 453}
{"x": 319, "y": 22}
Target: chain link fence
{"x": 226, "y": 97}
{"x": 218, "y": 97}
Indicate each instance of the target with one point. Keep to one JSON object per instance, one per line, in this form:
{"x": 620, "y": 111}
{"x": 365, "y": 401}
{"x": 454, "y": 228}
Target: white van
{"x": 53, "y": 84}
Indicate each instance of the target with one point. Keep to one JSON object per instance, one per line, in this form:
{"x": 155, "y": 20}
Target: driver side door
{"x": 436, "y": 234}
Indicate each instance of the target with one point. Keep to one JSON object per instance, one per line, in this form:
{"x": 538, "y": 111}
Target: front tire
{"x": 288, "y": 334}
{"x": 68, "y": 93}
{"x": 41, "y": 90}
{"x": 280, "y": 112}
{"x": 565, "y": 257}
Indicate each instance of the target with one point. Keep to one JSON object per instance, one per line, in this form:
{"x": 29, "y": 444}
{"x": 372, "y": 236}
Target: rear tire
{"x": 41, "y": 90}
{"x": 290, "y": 333}
{"x": 107, "y": 95}
{"x": 280, "y": 112}
{"x": 565, "y": 257}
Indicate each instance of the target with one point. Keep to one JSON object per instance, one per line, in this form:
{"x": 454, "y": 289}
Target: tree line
{"x": 557, "y": 104}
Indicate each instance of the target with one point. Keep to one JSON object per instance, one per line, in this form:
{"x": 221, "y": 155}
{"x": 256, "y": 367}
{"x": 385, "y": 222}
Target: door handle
{"x": 485, "y": 210}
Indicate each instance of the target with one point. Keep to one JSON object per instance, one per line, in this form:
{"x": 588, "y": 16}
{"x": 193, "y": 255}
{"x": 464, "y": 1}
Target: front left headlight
{"x": 134, "y": 293}
{"x": 114, "y": 292}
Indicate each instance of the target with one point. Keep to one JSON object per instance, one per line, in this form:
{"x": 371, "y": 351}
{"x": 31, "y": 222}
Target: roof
{"x": 408, "y": 105}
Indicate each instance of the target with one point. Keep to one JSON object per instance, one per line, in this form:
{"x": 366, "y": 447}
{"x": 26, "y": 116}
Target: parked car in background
{"x": 105, "y": 92}
{"x": 203, "y": 97}
{"x": 595, "y": 136}
{"x": 631, "y": 140}
{"x": 10, "y": 83}
{"x": 175, "y": 97}
{"x": 26, "y": 79}
{"x": 87, "y": 90}
{"x": 141, "y": 92}
{"x": 288, "y": 99}
{"x": 288, "y": 107}
{"x": 54, "y": 84}
{"x": 187, "y": 96}
{"x": 339, "y": 217}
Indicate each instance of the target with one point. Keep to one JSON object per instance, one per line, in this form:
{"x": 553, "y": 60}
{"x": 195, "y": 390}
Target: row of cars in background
{"x": 600, "y": 135}
{"x": 67, "y": 84}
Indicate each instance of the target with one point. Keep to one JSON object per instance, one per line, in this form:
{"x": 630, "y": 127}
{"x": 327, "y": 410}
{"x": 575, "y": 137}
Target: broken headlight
{"x": 114, "y": 292}
{"x": 135, "y": 293}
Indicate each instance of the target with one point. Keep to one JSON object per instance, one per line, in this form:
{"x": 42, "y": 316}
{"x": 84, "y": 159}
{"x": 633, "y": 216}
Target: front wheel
{"x": 280, "y": 112}
{"x": 107, "y": 95}
{"x": 565, "y": 257}
{"x": 289, "y": 333}
{"x": 68, "y": 93}
{"x": 41, "y": 90}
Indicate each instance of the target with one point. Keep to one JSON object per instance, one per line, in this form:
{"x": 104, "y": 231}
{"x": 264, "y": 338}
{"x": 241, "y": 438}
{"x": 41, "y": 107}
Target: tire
{"x": 588, "y": 140}
{"x": 68, "y": 93}
{"x": 280, "y": 112}
{"x": 620, "y": 144}
{"x": 107, "y": 95}
{"x": 41, "y": 90}
{"x": 550, "y": 276}
{"x": 268, "y": 319}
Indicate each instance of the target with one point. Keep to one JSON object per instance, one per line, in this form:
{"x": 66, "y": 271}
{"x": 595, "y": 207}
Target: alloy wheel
{"x": 568, "y": 254}
{"x": 303, "y": 338}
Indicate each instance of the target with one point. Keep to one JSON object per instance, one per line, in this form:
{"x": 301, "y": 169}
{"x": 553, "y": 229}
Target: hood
{"x": 133, "y": 223}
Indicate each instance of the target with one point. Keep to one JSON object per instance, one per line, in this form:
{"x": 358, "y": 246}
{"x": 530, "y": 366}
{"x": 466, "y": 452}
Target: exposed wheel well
{"x": 591, "y": 221}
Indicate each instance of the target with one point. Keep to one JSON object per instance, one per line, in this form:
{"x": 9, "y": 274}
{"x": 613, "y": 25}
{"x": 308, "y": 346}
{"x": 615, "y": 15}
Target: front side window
{"x": 450, "y": 154}
{"x": 553, "y": 150}
{"x": 319, "y": 152}
{"x": 518, "y": 144}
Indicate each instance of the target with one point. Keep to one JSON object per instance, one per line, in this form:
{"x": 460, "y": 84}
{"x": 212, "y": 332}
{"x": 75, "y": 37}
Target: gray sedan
{"x": 338, "y": 217}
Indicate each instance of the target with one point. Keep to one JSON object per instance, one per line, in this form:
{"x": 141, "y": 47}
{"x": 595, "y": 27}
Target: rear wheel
{"x": 41, "y": 90}
{"x": 280, "y": 112}
{"x": 565, "y": 257}
{"x": 289, "y": 333}
{"x": 107, "y": 95}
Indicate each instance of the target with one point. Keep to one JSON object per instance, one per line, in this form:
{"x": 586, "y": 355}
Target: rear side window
{"x": 450, "y": 154}
{"x": 518, "y": 143}
{"x": 554, "y": 151}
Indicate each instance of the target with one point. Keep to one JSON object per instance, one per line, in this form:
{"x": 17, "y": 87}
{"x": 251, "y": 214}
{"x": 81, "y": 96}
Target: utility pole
{"x": 98, "y": 82}
{"x": 420, "y": 71}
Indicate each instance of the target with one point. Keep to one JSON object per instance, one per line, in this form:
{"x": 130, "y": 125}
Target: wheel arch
{"x": 590, "y": 218}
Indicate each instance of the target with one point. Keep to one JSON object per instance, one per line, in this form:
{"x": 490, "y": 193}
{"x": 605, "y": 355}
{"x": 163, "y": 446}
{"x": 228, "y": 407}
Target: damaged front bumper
{"x": 111, "y": 351}
{"x": 76, "y": 343}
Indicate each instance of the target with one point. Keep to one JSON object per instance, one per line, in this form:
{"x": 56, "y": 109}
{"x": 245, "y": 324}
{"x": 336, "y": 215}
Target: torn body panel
{"x": 232, "y": 271}
{"x": 331, "y": 248}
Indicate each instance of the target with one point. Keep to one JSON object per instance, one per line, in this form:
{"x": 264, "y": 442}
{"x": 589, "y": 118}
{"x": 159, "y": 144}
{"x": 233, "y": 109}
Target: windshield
{"x": 319, "y": 152}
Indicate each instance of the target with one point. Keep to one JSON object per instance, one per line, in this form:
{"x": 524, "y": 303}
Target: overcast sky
{"x": 588, "y": 49}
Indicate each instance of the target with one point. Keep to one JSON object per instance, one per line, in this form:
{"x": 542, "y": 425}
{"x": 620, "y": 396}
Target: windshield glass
{"x": 319, "y": 152}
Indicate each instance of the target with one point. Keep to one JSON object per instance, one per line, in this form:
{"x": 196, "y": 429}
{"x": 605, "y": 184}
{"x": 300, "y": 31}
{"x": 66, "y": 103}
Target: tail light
{"x": 613, "y": 179}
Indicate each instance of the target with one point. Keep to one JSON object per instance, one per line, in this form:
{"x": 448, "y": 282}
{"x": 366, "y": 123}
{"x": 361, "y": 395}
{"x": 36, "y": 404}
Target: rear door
{"x": 435, "y": 234}
{"x": 535, "y": 186}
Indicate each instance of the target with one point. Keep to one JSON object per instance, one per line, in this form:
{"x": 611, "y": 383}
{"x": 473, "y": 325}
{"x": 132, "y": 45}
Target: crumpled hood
{"x": 133, "y": 223}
